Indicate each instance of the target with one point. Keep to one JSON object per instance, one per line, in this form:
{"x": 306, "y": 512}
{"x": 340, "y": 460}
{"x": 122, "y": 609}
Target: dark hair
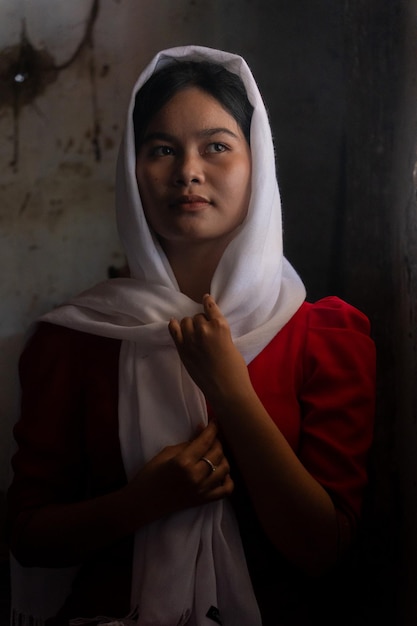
{"x": 227, "y": 88}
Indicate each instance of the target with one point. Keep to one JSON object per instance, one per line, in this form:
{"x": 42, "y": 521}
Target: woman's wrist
{"x": 137, "y": 504}
{"x": 228, "y": 404}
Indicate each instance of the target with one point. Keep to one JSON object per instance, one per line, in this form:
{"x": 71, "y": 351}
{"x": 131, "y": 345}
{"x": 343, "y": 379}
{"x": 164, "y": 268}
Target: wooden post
{"x": 379, "y": 271}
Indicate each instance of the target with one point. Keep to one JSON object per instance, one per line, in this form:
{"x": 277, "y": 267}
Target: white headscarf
{"x": 193, "y": 560}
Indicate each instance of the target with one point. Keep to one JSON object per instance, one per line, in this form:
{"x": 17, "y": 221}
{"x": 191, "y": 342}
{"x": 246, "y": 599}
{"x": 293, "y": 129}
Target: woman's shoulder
{"x": 51, "y": 342}
{"x": 44, "y": 331}
{"x": 332, "y": 312}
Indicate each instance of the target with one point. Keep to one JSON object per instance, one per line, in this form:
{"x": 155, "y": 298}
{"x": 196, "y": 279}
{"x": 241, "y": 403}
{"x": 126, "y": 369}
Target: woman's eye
{"x": 162, "y": 151}
{"x": 216, "y": 147}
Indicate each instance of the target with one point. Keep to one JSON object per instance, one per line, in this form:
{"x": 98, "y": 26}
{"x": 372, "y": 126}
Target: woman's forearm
{"x": 295, "y": 511}
{"x": 58, "y": 535}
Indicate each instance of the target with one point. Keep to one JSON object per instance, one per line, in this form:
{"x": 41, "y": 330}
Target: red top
{"x": 316, "y": 378}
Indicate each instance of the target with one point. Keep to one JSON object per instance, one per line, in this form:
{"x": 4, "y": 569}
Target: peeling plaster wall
{"x": 57, "y": 230}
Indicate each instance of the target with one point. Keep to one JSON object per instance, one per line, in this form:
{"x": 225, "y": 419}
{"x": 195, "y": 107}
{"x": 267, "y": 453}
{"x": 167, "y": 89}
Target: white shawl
{"x": 193, "y": 560}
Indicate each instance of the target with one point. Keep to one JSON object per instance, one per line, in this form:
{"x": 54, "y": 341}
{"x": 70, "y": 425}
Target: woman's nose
{"x": 189, "y": 169}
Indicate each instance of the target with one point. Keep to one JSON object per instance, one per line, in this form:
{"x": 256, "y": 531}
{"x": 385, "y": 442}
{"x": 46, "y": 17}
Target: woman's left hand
{"x": 206, "y": 348}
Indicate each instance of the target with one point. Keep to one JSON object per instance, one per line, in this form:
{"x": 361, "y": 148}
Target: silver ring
{"x": 209, "y": 463}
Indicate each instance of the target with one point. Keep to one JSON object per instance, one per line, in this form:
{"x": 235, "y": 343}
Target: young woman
{"x": 193, "y": 439}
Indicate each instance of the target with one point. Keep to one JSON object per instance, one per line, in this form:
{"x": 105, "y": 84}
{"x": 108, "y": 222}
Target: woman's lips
{"x": 191, "y": 203}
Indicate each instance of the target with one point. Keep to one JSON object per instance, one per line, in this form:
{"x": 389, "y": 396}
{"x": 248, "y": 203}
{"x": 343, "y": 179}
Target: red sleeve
{"x": 338, "y": 402}
{"x": 48, "y": 466}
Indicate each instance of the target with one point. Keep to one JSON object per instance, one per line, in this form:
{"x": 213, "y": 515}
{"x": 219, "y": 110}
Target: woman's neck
{"x": 194, "y": 267}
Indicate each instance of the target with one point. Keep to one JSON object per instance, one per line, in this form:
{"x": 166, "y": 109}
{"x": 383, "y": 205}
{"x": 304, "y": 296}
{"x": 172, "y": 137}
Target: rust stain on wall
{"x": 26, "y": 72}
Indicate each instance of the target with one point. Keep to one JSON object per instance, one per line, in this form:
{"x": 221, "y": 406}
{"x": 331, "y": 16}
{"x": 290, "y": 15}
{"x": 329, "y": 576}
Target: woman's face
{"x": 194, "y": 172}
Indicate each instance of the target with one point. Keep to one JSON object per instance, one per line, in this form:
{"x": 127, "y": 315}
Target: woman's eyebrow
{"x": 205, "y": 132}
{"x": 208, "y": 132}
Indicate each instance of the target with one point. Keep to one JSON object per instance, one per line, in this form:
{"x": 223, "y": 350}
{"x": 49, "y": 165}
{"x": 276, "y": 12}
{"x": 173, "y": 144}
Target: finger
{"x": 199, "y": 430}
{"x": 211, "y": 309}
{"x": 187, "y": 329}
{"x": 200, "y": 320}
{"x": 214, "y": 469}
{"x": 175, "y": 331}
{"x": 211, "y": 466}
{"x": 214, "y": 479}
{"x": 220, "y": 490}
{"x": 203, "y": 442}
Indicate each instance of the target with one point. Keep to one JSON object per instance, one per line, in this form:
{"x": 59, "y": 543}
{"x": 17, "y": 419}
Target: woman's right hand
{"x": 178, "y": 478}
